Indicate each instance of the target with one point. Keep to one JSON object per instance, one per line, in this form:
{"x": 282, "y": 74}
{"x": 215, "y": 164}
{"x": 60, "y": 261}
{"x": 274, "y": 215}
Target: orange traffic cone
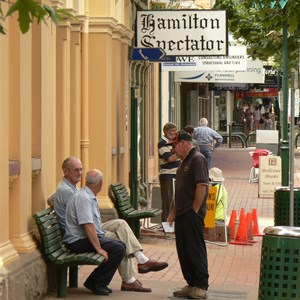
{"x": 241, "y": 235}
{"x": 250, "y": 228}
{"x": 242, "y": 212}
{"x": 255, "y": 223}
{"x": 231, "y": 223}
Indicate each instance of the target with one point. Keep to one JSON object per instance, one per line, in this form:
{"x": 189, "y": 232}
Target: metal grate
{"x": 279, "y": 270}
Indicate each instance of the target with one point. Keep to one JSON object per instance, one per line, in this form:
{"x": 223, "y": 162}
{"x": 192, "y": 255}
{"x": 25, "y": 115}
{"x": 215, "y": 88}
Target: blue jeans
{"x": 206, "y": 151}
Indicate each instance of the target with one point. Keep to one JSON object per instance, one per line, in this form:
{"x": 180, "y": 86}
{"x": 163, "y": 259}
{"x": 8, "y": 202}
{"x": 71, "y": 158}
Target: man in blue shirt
{"x": 116, "y": 229}
{"x": 83, "y": 233}
{"x": 207, "y": 139}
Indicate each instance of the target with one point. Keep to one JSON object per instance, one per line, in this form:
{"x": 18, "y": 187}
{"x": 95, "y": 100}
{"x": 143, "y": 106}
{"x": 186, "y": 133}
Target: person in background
{"x": 168, "y": 165}
{"x": 190, "y": 130}
{"x": 249, "y": 119}
{"x": 191, "y": 191}
{"x": 83, "y": 233}
{"x": 268, "y": 121}
{"x": 257, "y": 117}
{"x": 223, "y": 120}
{"x": 116, "y": 229}
{"x": 207, "y": 139}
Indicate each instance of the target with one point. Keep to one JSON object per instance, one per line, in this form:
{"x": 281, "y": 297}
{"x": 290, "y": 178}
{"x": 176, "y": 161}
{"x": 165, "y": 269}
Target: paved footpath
{"x": 234, "y": 269}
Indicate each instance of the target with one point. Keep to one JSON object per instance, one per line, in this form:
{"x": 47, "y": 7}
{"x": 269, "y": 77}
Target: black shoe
{"x": 97, "y": 289}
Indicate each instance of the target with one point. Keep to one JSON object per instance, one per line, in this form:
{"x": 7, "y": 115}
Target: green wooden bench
{"x": 126, "y": 211}
{"x": 56, "y": 253}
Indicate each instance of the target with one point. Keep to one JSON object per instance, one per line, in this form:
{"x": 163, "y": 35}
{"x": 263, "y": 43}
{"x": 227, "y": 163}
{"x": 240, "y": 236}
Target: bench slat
{"x": 54, "y": 249}
{"x": 124, "y": 206}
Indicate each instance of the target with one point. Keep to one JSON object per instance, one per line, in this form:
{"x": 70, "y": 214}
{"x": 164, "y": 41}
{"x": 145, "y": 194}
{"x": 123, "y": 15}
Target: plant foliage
{"x": 259, "y": 25}
{"x": 30, "y": 11}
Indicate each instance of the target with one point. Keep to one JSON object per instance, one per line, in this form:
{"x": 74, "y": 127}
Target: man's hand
{"x": 103, "y": 253}
{"x": 50, "y": 202}
{"x": 171, "y": 217}
{"x": 90, "y": 231}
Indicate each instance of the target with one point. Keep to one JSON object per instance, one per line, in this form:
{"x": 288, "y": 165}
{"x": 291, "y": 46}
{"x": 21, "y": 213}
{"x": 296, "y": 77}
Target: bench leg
{"x": 135, "y": 227}
{"x": 62, "y": 281}
{"x": 73, "y": 276}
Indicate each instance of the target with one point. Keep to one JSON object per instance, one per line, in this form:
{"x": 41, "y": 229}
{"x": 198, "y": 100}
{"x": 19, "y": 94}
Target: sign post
{"x": 151, "y": 54}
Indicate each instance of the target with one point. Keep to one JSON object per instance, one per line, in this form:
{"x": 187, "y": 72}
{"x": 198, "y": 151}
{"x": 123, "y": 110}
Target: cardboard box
{"x": 217, "y": 234}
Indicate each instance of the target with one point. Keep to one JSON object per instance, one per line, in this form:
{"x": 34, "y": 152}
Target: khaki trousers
{"x": 118, "y": 229}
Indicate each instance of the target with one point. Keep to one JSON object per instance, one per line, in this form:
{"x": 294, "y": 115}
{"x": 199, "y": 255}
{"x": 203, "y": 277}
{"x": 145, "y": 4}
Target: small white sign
{"x": 183, "y": 32}
{"x": 269, "y": 174}
{"x": 236, "y": 60}
{"x": 253, "y": 74}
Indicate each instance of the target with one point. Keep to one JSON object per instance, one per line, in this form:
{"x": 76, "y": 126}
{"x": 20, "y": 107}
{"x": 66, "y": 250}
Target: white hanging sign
{"x": 183, "y": 32}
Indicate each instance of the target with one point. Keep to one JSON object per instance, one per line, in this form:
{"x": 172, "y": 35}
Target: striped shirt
{"x": 167, "y": 169}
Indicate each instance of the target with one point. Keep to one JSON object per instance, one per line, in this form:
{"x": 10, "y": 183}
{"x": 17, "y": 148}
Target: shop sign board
{"x": 263, "y": 92}
{"x": 236, "y": 60}
{"x": 183, "y": 32}
{"x": 269, "y": 175}
{"x": 253, "y": 74}
{"x": 271, "y": 79}
{"x": 173, "y": 5}
{"x": 232, "y": 87}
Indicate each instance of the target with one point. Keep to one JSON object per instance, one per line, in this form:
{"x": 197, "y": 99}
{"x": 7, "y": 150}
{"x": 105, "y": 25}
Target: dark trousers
{"x": 191, "y": 248}
{"x": 166, "y": 192}
{"x": 104, "y": 273}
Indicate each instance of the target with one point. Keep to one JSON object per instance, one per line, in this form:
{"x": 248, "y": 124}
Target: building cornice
{"x": 123, "y": 33}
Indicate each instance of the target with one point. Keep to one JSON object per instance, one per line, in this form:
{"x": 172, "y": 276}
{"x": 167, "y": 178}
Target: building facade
{"x": 68, "y": 90}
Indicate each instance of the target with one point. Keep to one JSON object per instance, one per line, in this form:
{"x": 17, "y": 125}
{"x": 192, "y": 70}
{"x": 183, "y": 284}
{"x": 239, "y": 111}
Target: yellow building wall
{"x": 64, "y": 91}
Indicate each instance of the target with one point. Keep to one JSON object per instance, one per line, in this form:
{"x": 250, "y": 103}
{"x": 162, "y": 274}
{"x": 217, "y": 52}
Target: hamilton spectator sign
{"x": 183, "y": 32}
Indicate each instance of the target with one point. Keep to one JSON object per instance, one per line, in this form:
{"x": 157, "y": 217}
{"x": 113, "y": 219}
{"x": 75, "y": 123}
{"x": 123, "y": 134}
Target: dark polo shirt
{"x": 193, "y": 170}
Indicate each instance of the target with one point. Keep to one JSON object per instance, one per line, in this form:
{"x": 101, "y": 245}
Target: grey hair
{"x": 169, "y": 126}
{"x": 93, "y": 177}
{"x": 203, "y": 121}
{"x": 67, "y": 162}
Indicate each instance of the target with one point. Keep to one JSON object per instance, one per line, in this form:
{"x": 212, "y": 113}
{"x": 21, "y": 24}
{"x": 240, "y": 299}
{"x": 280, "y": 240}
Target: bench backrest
{"x": 50, "y": 233}
{"x": 122, "y": 199}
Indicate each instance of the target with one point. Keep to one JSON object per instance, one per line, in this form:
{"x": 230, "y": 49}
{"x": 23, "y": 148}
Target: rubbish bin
{"x": 280, "y": 264}
{"x": 282, "y": 207}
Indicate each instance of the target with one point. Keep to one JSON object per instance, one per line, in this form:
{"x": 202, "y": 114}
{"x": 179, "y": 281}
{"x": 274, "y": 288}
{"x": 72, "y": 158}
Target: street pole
{"x": 285, "y": 140}
{"x": 294, "y": 79}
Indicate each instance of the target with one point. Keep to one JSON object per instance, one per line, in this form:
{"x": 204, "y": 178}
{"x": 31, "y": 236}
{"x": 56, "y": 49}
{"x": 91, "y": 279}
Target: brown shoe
{"x": 136, "y": 286}
{"x": 197, "y": 293}
{"x": 151, "y": 266}
{"x": 184, "y": 292}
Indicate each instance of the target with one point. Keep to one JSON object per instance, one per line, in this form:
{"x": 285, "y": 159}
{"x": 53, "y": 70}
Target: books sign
{"x": 269, "y": 175}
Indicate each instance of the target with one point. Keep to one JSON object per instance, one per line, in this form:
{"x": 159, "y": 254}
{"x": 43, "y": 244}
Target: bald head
{"x": 93, "y": 176}
{"x": 203, "y": 121}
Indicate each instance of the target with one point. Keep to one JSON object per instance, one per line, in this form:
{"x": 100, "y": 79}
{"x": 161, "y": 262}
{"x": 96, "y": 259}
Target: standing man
{"x": 83, "y": 233}
{"x": 168, "y": 164}
{"x": 189, "y": 212}
{"x": 116, "y": 229}
{"x": 207, "y": 139}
